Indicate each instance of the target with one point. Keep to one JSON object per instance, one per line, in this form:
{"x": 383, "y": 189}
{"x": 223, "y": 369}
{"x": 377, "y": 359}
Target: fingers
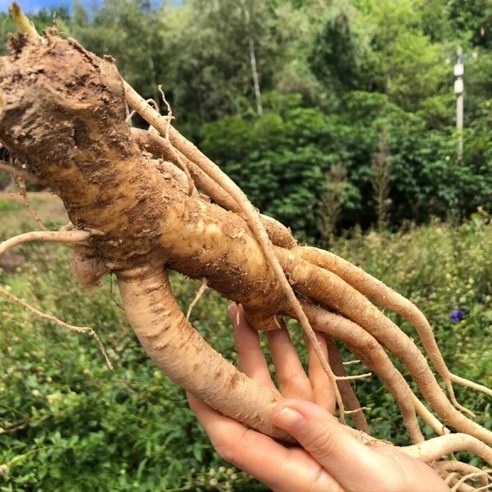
{"x": 352, "y": 464}
{"x": 281, "y": 469}
{"x": 251, "y": 358}
{"x": 292, "y": 378}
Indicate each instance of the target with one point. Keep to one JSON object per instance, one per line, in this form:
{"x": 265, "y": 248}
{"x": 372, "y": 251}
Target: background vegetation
{"x": 335, "y": 117}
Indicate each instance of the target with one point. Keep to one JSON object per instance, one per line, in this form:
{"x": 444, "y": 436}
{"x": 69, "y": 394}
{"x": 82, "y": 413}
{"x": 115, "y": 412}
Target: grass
{"x": 9, "y": 206}
{"x": 15, "y": 217}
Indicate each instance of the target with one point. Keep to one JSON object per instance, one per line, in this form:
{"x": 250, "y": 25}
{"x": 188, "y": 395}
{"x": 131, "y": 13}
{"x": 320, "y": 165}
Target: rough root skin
{"x": 63, "y": 113}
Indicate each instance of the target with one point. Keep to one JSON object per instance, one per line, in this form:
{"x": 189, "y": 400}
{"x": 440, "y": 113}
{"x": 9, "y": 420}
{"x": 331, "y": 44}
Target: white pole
{"x": 459, "y": 124}
{"x": 459, "y": 90}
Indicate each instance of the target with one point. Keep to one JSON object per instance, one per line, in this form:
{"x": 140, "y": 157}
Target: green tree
{"x": 410, "y": 66}
{"x": 298, "y": 28}
{"x": 478, "y": 83}
{"x": 473, "y": 19}
{"x": 435, "y": 20}
{"x": 223, "y": 56}
{"x": 341, "y": 60}
{"x": 279, "y": 159}
{"x": 132, "y": 32}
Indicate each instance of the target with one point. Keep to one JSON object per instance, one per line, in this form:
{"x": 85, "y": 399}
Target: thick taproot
{"x": 187, "y": 359}
{"x": 63, "y": 113}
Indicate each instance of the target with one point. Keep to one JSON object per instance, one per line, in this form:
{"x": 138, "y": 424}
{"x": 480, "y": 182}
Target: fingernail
{"x": 287, "y": 418}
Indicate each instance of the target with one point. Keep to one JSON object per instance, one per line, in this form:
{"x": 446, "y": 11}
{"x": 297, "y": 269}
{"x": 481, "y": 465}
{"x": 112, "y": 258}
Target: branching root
{"x": 61, "y": 237}
{"x": 452, "y": 471}
{"x": 339, "y": 286}
{"x": 386, "y": 297}
{"x": 150, "y": 200}
{"x": 250, "y": 214}
{"x": 437, "y": 447}
{"x": 197, "y": 298}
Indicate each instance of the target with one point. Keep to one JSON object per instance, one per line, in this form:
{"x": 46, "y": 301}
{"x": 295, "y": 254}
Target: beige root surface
{"x": 135, "y": 214}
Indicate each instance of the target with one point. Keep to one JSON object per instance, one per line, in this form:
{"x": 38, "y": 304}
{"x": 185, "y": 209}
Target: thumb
{"x": 352, "y": 464}
{"x": 327, "y": 441}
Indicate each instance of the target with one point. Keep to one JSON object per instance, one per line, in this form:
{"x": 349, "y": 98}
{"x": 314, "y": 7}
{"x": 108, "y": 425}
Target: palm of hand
{"x": 330, "y": 458}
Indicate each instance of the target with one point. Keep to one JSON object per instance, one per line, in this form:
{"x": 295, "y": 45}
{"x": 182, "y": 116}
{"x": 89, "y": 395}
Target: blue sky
{"x": 36, "y": 5}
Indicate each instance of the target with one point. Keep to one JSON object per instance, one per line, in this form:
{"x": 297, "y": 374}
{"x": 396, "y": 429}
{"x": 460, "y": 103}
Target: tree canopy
{"x": 279, "y": 92}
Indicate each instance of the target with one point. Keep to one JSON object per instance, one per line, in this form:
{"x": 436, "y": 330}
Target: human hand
{"x": 331, "y": 458}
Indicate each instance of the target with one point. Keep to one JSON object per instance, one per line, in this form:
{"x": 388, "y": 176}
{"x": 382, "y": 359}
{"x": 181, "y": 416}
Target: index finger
{"x": 251, "y": 358}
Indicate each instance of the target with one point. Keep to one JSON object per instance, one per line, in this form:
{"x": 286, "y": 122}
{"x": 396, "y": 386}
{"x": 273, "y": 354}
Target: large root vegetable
{"x": 132, "y": 197}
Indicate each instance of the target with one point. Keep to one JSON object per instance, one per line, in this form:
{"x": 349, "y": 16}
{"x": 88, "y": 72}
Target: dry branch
{"x": 49, "y": 317}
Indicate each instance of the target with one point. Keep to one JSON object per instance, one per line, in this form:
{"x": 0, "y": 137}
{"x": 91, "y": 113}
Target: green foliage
{"x": 278, "y": 159}
{"x": 426, "y": 177}
{"x": 478, "y": 85}
{"x": 66, "y": 418}
{"x": 211, "y": 70}
{"x": 409, "y": 65}
{"x": 440, "y": 268}
{"x": 474, "y": 19}
{"x": 9, "y": 206}
{"x": 341, "y": 60}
